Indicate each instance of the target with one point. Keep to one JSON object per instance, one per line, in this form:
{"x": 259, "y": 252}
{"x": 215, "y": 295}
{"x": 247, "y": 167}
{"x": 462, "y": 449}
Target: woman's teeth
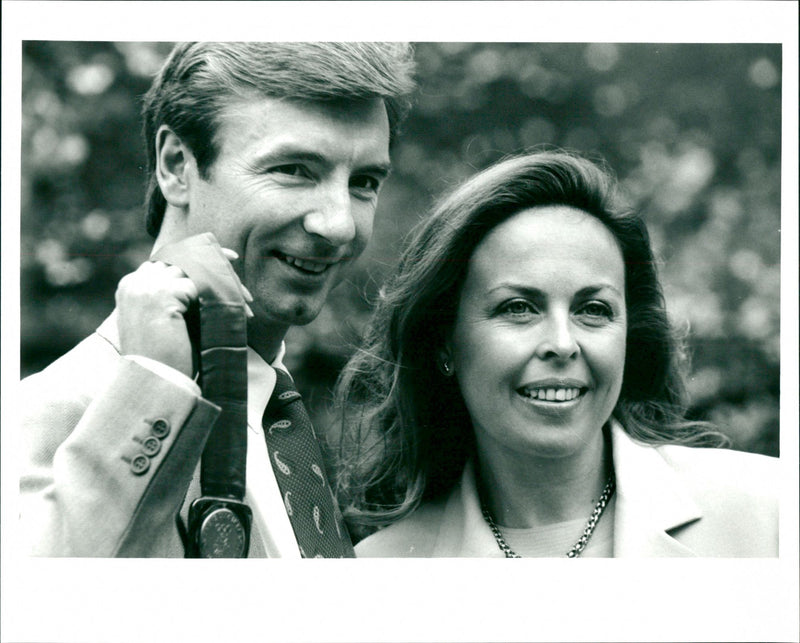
{"x": 552, "y": 394}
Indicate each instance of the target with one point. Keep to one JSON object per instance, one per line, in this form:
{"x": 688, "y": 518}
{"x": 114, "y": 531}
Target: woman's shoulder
{"x": 411, "y": 537}
{"x": 719, "y": 471}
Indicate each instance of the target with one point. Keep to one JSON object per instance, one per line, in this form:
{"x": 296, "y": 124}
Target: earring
{"x": 447, "y": 368}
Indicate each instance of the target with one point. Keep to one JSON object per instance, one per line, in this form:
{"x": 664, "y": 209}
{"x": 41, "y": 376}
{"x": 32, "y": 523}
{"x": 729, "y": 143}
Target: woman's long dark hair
{"x": 406, "y": 432}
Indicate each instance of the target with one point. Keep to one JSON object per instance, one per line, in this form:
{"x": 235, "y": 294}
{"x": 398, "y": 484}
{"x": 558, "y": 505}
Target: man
{"x": 279, "y": 151}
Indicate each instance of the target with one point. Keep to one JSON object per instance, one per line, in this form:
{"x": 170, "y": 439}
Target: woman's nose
{"x": 332, "y": 218}
{"x": 557, "y": 340}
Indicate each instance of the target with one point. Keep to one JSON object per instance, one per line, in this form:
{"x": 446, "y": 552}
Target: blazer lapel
{"x": 463, "y": 531}
{"x": 651, "y": 501}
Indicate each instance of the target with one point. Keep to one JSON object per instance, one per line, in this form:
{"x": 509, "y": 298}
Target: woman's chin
{"x": 554, "y": 443}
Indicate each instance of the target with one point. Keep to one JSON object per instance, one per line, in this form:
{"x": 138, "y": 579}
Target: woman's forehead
{"x": 547, "y": 238}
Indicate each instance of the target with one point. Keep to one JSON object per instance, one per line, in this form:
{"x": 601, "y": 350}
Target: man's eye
{"x": 291, "y": 169}
{"x": 365, "y": 183}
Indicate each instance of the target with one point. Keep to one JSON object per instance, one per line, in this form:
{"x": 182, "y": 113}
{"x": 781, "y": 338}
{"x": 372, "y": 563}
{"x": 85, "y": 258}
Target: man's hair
{"x": 199, "y": 79}
{"x": 406, "y": 431}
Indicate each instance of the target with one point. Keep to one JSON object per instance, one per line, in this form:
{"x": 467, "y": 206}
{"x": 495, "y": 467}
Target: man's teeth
{"x": 553, "y": 394}
{"x": 305, "y": 264}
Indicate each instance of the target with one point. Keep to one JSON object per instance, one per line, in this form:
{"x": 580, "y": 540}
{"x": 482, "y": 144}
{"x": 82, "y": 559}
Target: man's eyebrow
{"x": 381, "y": 169}
{"x": 291, "y": 154}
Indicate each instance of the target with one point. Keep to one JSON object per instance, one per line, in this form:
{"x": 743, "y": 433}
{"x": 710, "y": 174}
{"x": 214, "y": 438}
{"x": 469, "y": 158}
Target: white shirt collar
{"x": 260, "y": 384}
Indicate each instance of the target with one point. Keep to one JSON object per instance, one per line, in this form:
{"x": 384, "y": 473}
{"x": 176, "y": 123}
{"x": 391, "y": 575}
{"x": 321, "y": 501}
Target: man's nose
{"x": 557, "y": 340}
{"x": 332, "y": 217}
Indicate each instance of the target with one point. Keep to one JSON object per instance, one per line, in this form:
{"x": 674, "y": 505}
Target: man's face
{"x": 293, "y": 192}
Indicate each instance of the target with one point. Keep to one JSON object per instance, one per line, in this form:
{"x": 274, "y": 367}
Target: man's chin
{"x": 302, "y": 315}
{"x": 291, "y": 313}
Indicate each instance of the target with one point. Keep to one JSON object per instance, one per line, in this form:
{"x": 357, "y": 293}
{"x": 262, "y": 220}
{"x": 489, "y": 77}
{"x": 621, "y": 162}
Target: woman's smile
{"x": 551, "y": 394}
{"x": 559, "y": 390}
{"x": 552, "y": 403}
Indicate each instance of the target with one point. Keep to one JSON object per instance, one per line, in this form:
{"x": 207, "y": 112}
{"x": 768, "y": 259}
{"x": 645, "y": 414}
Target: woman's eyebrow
{"x": 532, "y": 291}
{"x": 595, "y": 288}
{"x": 516, "y": 287}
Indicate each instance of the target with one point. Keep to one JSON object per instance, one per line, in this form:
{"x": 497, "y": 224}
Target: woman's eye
{"x": 517, "y": 307}
{"x": 596, "y": 309}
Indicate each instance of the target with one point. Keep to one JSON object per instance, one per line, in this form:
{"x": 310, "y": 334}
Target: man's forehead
{"x": 269, "y": 125}
{"x": 337, "y": 106}
{"x": 252, "y": 110}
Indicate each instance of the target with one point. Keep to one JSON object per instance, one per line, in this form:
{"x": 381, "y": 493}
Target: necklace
{"x": 579, "y": 546}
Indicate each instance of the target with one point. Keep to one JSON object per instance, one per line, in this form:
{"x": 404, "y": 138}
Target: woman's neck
{"x": 524, "y": 491}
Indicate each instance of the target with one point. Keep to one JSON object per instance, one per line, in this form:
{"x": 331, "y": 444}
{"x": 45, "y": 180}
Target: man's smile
{"x": 314, "y": 266}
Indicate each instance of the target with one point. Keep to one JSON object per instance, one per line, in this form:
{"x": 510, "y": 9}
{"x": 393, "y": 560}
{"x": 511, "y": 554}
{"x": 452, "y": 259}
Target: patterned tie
{"x": 297, "y": 461}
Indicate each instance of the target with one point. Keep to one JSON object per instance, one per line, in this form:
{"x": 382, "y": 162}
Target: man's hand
{"x": 151, "y": 303}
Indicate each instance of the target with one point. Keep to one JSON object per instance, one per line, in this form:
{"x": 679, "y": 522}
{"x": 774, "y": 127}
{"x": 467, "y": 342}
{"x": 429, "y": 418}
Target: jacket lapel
{"x": 651, "y": 501}
{"x": 463, "y": 531}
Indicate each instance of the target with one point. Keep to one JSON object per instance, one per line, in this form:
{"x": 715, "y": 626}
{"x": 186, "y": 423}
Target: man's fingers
{"x": 232, "y": 255}
{"x": 183, "y": 287}
{"x": 162, "y": 269}
{"x": 186, "y": 288}
{"x": 156, "y": 281}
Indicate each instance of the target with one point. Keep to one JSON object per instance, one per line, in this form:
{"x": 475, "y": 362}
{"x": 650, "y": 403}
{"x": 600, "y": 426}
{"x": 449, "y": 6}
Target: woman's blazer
{"x": 671, "y": 501}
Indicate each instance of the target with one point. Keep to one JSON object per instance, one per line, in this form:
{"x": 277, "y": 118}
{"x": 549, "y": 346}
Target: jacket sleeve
{"x": 106, "y": 470}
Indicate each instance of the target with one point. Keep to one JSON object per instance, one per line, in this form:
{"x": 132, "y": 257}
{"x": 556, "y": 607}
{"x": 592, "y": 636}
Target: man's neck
{"x": 265, "y": 339}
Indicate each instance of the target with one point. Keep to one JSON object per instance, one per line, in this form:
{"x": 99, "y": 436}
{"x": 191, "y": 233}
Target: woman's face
{"x": 538, "y": 344}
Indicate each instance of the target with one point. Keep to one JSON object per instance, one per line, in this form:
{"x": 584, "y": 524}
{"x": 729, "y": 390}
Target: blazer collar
{"x": 651, "y": 500}
{"x": 463, "y": 531}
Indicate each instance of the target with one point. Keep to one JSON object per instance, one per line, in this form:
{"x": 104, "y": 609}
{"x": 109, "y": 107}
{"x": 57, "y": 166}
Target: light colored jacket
{"x": 671, "y": 501}
{"x": 83, "y": 418}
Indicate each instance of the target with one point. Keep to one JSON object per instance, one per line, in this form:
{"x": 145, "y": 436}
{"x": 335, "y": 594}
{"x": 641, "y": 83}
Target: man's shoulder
{"x": 87, "y": 365}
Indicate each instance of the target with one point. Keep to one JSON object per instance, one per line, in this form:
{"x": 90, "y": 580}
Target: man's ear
{"x": 174, "y": 161}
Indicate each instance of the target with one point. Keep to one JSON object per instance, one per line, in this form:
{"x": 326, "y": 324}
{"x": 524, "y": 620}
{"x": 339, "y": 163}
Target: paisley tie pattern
{"x": 297, "y": 461}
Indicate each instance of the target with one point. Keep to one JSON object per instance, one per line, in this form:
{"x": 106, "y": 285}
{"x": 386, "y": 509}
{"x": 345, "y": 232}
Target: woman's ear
{"x": 173, "y": 161}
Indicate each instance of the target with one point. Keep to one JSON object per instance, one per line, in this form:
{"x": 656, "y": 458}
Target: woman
{"x": 518, "y": 392}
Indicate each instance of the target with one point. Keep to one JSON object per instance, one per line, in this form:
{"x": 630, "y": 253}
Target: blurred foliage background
{"x": 693, "y": 132}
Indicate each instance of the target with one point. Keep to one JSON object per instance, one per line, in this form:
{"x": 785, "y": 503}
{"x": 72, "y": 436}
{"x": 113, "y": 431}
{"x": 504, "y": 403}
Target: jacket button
{"x": 140, "y": 464}
{"x": 160, "y": 428}
{"x": 151, "y": 446}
